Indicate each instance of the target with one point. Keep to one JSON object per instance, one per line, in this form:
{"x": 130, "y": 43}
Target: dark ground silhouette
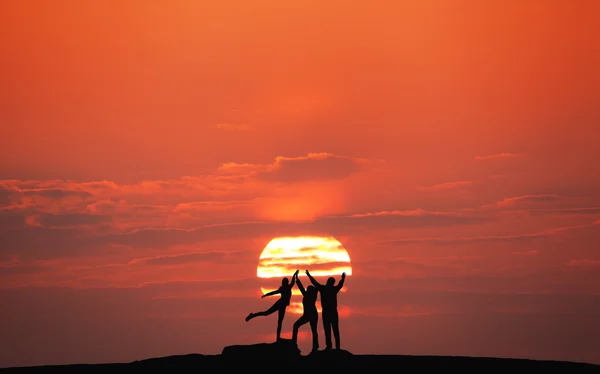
{"x": 329, "y": 312}
{"x": 269, "y": 358}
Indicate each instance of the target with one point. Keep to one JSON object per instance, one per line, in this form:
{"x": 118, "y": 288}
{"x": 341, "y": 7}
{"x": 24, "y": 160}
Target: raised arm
{"x": 313, "y": 281}
{"x": 300, "y": 286}
{"x": 294, "y": 278}
{"x": 340, "y": 284}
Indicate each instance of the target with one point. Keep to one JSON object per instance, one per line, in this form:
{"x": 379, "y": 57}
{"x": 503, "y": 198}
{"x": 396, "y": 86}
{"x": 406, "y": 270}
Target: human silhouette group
{"x": 310, "y": 315}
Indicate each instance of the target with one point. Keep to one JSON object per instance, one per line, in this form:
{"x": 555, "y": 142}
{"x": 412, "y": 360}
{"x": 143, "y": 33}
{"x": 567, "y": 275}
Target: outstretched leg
{"x": 267, "y": 312}
{"x": 280, "y": 321}
{"x": 315, "y": 335}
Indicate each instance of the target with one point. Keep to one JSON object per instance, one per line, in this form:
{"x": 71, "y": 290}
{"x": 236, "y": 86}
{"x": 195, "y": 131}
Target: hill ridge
{"x": 260, "y": 355}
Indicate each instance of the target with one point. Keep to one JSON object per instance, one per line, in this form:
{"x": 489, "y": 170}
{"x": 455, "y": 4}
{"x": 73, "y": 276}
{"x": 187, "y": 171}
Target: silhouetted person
{"x": 280, "y": 305}
{"x": 329, "y": 305}
{"x": 310, "y": 314}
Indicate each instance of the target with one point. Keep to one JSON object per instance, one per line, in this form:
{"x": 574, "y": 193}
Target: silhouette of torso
{"x": 309, "y": 303}
{"x": 286, "y": 294}
{"x": 328, "y": 298}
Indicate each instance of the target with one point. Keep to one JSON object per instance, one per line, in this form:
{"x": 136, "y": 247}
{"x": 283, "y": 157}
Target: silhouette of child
{"x": 310, "y": 314}
{"x": 280, "y": 305}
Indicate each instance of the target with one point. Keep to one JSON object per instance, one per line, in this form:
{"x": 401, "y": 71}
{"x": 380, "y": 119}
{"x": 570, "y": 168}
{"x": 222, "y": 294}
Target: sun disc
{"x": 322, "y": 256}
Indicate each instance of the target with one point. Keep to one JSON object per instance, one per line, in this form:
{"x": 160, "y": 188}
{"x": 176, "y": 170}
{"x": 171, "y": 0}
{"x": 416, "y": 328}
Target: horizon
{"x": 164, "y": 164}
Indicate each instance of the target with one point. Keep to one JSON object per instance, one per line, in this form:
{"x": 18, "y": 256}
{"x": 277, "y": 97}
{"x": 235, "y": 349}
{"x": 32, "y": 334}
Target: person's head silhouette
{"x": 311, "y": 290}
{"x": 285, "y": 282}
{"x": 330, "y": 281}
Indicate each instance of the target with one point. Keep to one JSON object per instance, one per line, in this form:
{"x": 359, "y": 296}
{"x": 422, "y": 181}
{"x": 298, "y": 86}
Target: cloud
{"x": 499, "y": 156}
{"x": 39, "y": 198}
{"x": 226, "y": 283}
{"x": 7, "y": 194}
{"x": 165, "y": 237}
{"x": 13, "y": 194}
{"x": 491, "y": 238}
{"x": 186, "y": 258}
{"x": 584, "y": 262}
{"x": 203, "y": 207}
{"x": 401, "y": 219}
{"x": 447, "y": 186}
{"x": 532, "y": 252}
{"x": 55, "y": 193}
{"x": 317, "y": 269}
{"x": 46, "y": 242}
{"x": 402, "y": 268}
{"x": 52, "y": 188}
{"x": 314, "y": 166}
{"x": 524, "y": 200}
{"x": 232, "y": 192}
{"x": 20, "y": 269}
{"x": 74, "y": 219}
{"x": 149, "y": 203}
{"x": 67, "y": 194}
{"x": 566, "y": 211}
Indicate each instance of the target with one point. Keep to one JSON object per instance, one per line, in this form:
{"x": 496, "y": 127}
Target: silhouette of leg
{"x": 335, "y": 324}
{"x": 280, "y": 321}
{"x": 267, "y": 312}
{"x": 327, "y": 328}
{"x": 315, "y": 335}
{"x": 301, "y": 321}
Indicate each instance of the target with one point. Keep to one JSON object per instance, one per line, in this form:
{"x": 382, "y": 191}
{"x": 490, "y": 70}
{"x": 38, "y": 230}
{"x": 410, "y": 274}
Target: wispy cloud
{"x": 321, "y": 166}
{"x": 447, "y": 186}
{"x": 561, "y": 211}
{"x": 490, "y": 238}
{"x": 499, "y": 156}
{"x": 584, "y": 262}
{"x": 186, "y": 258}
{"x": 519, "y": 201}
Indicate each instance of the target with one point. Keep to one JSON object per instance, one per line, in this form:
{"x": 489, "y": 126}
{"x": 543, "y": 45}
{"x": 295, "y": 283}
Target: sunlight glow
{"x": 322, "y": 256}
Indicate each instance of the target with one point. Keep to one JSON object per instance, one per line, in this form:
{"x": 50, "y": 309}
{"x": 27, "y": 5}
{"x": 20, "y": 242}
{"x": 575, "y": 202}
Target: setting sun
{"x": 322, "y": 256}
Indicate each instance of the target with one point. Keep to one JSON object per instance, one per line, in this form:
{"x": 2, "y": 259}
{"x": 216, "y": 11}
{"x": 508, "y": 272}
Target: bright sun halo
{"x": 322, "y": 256}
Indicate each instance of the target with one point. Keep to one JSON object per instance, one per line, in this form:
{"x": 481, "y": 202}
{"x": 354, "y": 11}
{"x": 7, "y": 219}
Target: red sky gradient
{"x": 149, "y": 150}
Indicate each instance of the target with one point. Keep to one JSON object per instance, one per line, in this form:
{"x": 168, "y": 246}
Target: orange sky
{"x": 150, "y": 150}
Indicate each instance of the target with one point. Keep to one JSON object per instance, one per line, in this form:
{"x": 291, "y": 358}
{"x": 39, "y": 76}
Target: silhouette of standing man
{"x": 310, "y": 314}
{"x": 280, "y": 305}
{"x": 329, "y": 305}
